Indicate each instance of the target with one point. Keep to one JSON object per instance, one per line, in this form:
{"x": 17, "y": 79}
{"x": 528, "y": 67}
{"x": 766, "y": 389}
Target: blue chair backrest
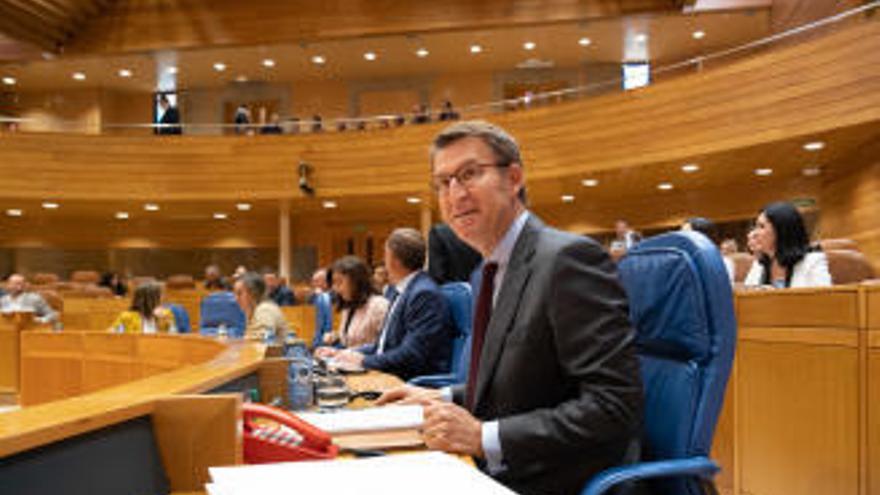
{"x": 681, "y": 305}
{"x": 221, "y": 308}
{"x": 458, "y": 296}
{"x": 181, "y": 317}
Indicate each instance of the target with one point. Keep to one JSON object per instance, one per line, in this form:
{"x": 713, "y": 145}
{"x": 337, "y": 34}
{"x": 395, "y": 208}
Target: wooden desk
{"x": 11, "y": 326}
{"x": 871, "y": 411}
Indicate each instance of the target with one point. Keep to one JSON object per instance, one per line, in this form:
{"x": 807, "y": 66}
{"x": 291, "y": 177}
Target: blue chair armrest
{"x": 694, "y": 466}
{"x": 433, "y": 381}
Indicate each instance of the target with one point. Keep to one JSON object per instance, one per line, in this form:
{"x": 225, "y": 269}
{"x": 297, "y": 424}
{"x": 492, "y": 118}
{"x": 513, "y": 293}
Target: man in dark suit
{"x": 450, "y": 259}
{"x": 417, "y": 334}
{"x": 170, "y": 117}
{"x": 553, "y": 394}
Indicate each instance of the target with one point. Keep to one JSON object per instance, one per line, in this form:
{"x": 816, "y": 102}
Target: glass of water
{"x": 331, "y": 392}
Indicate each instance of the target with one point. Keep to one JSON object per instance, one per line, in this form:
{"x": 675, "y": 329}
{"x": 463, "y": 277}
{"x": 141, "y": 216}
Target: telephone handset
{"x": 275, "y": 435}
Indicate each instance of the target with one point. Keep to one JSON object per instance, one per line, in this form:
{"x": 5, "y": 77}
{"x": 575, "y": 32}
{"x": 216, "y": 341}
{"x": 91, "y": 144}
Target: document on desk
{"x": 403, "y": 474}
{"x": 386, "y": 418}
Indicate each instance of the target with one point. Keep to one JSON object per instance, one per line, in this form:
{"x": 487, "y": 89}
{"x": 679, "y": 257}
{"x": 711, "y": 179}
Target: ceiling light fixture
{"x": 422, "y": 52}
{"x": 121, "y": 215}
{"x": 529, "y": 45}
{"x": 172, "y": 70}
{"x": 219, "y": 66}
{"x": 476, "y": 49}
{"x": 567, "y": 198}
{"x": 79, "y": 76}
{"x": 584, "y": 41}
{"x": 14, "y": 212}
{"x": 763, "y": 172}
{"x": 124, "y": 73}
{"x": 220, "y": 216}
{"x": 811, "y": 171}
{"x": 318, "y": 60}
{"x": 241, "y": 78}
{"x": 151, "y": 207}
{"x": 413, "y": 200}
{"x": 9, "y": 81}
{"x": 243, "y": 206}
{"x": 370, "y": 56}
{"x": 590, "y": 182}
{"x": 665, "y": 186}
{"x": 49, "y": 205}
{"x": 698, "y": 35}
{"x": 690, "y": 168}
{"x": 268, "y": 63}
{"x": 814, "y": 146}
{"x": 641, "y": 38}
{"x": 329, "y": 204}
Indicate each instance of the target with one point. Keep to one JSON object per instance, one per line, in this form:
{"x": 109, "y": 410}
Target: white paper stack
{"x": 403, "y": 474}
{"x": 387, "y": 418}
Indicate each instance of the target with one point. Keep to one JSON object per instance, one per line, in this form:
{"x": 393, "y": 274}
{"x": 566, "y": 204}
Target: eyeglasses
{"x": 466, "y": 176}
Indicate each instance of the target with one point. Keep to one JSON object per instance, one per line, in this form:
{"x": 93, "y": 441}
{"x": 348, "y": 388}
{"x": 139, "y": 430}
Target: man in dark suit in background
{"x": 553, "y": 394}
{"x": 417, "y": 334}
{"x": 170, "y": 119}
{"x": 450, "y": 259}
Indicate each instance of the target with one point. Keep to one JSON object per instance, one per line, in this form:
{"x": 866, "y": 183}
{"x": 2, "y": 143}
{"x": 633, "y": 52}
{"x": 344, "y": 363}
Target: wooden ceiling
{"x": 49, "y": 24}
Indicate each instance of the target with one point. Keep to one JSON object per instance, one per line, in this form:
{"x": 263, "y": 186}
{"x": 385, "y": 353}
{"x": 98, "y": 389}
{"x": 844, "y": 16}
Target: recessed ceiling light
{"x": 49, "y": 205}
{"x": 172, "y": 70}
{"x": 584, "y": 41}
{"x": 664, "y": 186}
{"x": 529, "y": 45}
{"x": 243, "y": 206}
{"x": 690, "y": 168}
{"x": 422, "y": 52}
{"x": 370, "y": 56}
{"x": 814, "y": 146}
{"x": 9, "y": 81}
{"x": 641, "y": 38}
{"x": 763, "y": 171}
{"x": 567, "y": 198}
{"x": 268, "y": 63}
{"x": 318, "y": 60}
{"x": 698, "y": 35}
{"x": 219, "y": 66}
{"x": 220, "y": 216}
{"x": 811, "y": 171}
{"x": 413, "y": 200}
{"x": 476, "y": 49}
{"x": 121, "y": 215}
{"x": 241, "y": 78}
{"x": 79, "y": 76}
{"x": 329, "y": 204}
{"x": 151, "y": 207}
{"x": 590, "y": 182}
{"x": 14, "y": 212}
{"x": 124, "y": 73}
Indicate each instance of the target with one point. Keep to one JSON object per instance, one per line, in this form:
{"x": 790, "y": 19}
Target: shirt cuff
{"x": 446, "y": 394}
{"x": 492, "y": 448}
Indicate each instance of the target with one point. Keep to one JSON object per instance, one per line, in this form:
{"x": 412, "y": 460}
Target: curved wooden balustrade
{"x": 70, "y": 363}
{"x": 798, "y": 91}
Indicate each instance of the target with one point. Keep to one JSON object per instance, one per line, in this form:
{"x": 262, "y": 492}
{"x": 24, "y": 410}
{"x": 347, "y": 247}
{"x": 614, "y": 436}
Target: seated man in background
{"x": 417, "y": 334}
{"x": 263, "y": 315}
{"x": 278, "y": 292}
{"x": 214, "y": 280}
{"x": 19, "y": 299}
{"x": 323, "y": 307}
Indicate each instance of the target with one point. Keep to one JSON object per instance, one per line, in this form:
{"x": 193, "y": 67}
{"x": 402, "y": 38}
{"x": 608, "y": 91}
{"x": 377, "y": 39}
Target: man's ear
{"x": 516, "y": 176}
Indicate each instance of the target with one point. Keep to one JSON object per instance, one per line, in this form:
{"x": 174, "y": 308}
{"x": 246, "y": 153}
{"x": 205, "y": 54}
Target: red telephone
{"x": 288, "y": 439}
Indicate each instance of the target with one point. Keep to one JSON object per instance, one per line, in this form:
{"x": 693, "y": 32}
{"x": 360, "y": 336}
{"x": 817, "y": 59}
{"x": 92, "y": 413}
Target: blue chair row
{"x": 458, "y": 296}
{"x": 221, "y": 309}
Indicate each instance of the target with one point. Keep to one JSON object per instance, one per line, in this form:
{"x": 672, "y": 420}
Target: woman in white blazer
{"x": 784, "y": 257}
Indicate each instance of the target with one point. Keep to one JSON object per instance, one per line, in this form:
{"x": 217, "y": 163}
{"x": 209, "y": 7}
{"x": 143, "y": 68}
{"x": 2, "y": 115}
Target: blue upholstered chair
{"x": 181, "y": 317}
{"x": 221, "y": 308}
{"x": 682, "y": 307}
{"x": 458, "y": 296}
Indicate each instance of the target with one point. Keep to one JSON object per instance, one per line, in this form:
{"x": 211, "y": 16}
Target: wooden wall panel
{"x": 851, "y": 208}
{"x": 873, "y": 422}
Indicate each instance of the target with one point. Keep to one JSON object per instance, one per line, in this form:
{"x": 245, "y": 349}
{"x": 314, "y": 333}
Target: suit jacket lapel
{"x": 518, "y": 271}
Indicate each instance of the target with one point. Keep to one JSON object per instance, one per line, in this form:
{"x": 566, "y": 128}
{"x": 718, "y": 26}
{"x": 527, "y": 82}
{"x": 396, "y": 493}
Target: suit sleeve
{"x": 594, "y": 345}
{"x": 426, "y": 318}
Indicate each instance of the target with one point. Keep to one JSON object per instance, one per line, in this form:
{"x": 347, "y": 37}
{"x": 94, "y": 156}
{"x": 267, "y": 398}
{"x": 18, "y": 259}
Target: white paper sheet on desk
{"x": 404, "y": 474}
{"x": 385, "y": 418}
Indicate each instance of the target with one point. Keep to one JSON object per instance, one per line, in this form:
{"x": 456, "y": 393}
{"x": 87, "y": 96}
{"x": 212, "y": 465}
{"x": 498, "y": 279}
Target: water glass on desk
{"x": 331, "y": 392}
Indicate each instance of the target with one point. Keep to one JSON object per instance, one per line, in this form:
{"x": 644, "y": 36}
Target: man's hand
{"x": 325, "y": 352}
{"x": 408, "y": 394}
{"x": 452, "y": 429}
{"x": 349, "y": 358}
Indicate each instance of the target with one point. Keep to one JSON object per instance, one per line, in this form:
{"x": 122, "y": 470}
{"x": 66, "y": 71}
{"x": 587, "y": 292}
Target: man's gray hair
{"x": 255, "y": 285}
{"x": 503, "y": 145}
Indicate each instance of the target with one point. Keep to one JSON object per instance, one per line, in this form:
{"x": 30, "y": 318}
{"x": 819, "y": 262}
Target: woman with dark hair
{"x": 361, "y": 309}
{"x": 146, "y": 314}
{"x": 114, "y": 282}
{"x": 785, "y": 257}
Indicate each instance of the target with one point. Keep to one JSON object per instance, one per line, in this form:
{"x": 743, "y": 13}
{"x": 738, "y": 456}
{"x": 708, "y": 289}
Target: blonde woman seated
{"x": 784, "y": 257}
{"x": 362, "y": 310}
{"x": 146, "y": 315}
{"x": 263, "y": 315}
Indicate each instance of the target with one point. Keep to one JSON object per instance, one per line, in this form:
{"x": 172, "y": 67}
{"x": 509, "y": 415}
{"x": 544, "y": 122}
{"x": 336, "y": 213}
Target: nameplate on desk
{"x": 374, "y": 419}
{"x": 405, "y": 474}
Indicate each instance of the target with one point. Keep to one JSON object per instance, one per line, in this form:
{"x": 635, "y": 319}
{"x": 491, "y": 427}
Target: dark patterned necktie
{"x": 481, "y": 322}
